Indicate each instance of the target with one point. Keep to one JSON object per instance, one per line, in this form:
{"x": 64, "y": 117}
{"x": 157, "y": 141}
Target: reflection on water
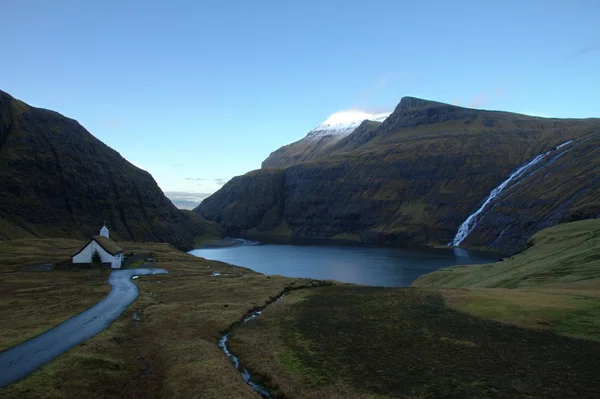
{"x": 392, "y": 267}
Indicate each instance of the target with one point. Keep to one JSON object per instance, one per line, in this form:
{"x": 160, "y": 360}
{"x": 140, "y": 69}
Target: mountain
{"x": 57, "y": 180}
{"x": 416, "y": 177}
{"x": 322, "y": 138}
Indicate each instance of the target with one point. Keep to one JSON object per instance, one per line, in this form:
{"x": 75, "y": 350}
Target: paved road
{"x": 21, "y": 360}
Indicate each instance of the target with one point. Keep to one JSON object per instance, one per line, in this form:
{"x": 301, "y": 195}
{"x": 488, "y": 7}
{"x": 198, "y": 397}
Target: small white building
{"x": 108, "y": 250}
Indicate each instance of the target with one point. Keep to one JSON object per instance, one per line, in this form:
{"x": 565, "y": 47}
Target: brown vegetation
{"x": 365, "y": 342}
{"x": 165, "y": 345}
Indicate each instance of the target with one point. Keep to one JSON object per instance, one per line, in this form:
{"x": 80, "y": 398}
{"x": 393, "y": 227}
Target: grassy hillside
{"x": 165, "y": 345}
{"x": 415, "y": 178}
{"x": 565, "y": 253}
{"x": 58, "y": 180}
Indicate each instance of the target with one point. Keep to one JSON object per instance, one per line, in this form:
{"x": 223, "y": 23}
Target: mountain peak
{"x": 343, "y": 123}
{"x": 417, "y": 103}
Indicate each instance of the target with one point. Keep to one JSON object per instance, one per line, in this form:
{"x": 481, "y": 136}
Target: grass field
{"x": 360, "y": 342}
{"x": 562, "y": 254}
{"x": 554, "y": 285}
{"x": 33, "y": 300}
{"x": 165, "y": 345}
{"x": 535, "y": 334}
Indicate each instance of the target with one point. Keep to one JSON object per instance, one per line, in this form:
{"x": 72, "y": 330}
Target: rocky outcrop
{"x": 57, "y": 180}
{"x": 414, "y": 179}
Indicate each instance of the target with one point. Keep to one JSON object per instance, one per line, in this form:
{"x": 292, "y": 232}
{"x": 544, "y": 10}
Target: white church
{"x": 108, "y": 250}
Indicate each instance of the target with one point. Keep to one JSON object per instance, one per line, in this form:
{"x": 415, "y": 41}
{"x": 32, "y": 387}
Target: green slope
{"x": 566, "y": 253}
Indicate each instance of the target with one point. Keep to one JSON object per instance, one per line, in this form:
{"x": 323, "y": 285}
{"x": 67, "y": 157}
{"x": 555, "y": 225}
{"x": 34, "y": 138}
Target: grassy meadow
{"x": 370, "y": 342}
{"x": 528, "y": 326}
{"x": 165, "y": 345}
{"x": 553, "y": 285}
{"x": 33, "y": 300}
{"x": 536, "y": 333}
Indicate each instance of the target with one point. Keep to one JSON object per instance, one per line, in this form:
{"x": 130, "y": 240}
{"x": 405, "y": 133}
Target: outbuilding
{"x": 108, "y": 251}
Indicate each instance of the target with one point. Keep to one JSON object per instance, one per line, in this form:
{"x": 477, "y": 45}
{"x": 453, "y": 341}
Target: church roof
{"x": 107, "y": 244}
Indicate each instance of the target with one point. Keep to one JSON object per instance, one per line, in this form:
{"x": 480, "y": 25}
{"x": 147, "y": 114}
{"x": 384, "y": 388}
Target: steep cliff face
{"x": 254, "y": 200}
{"x": 57, "y": 180}
{"x": 415, "y": 178}
{"x": 563, "y": 187}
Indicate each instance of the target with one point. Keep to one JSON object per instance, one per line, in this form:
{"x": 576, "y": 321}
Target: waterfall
{"x": 471, "y": 222}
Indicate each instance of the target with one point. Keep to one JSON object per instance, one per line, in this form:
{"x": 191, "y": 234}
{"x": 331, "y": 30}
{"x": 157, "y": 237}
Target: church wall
{"x": 85, "y": 256}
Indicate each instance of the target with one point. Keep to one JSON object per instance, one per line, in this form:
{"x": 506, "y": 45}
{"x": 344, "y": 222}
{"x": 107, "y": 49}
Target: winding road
{"x": 21, "y": 360}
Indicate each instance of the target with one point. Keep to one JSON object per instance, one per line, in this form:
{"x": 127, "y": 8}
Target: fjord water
{"x": 359, "y": 264}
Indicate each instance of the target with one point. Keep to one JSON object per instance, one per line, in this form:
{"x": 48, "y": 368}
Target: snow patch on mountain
{"x": 343, "y": 123}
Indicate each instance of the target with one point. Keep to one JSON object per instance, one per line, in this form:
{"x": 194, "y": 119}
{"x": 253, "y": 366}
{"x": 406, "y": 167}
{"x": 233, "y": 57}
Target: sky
{"x": 196, "y": 92}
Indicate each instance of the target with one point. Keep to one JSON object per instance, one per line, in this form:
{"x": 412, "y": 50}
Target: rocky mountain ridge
{"x": 414, "y": 178}
{"x": 321, "y": 139}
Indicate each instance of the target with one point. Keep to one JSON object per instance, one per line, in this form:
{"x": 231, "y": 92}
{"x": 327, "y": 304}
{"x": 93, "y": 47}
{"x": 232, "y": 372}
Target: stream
{"x": 261, "y": 390}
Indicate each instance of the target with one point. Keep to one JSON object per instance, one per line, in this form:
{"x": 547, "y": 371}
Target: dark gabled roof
{"x": 108, "y": 245}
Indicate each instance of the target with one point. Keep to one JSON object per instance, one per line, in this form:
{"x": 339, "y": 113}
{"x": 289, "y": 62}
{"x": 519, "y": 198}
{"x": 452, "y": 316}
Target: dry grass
{"x": 338, "y": 342}
{"x": 367, "y": 342}
{"x": 165, "y": 345}
{"x": 33, "y": 301}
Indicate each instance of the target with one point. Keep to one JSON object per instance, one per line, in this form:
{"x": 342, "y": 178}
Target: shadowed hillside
{"x": 416, "y": 177}
{"x": 57, "y": 180}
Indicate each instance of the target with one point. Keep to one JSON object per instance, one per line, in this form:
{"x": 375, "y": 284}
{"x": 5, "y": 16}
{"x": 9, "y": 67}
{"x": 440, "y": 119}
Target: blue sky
{"x": 197, "y": 92}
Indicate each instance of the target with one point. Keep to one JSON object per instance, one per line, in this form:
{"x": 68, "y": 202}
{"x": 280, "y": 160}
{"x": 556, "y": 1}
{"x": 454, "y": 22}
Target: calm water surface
{"x": 379, "y": 266}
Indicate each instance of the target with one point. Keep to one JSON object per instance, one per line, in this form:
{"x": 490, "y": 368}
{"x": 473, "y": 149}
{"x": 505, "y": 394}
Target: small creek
{"x": 261, "y": 390}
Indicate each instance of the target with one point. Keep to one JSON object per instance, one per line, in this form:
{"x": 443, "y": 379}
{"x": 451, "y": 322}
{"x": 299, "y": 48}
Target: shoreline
{"x": 230, "y": 242}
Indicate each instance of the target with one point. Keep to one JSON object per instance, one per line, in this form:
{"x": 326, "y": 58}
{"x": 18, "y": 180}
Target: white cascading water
{"x": 471, "y": 222}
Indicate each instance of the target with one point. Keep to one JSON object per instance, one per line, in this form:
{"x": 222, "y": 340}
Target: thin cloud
{"x": 590, "y": 48}
{"x": 194, "y": 179}
{"x": 482, "y": 98}
{"x": 478, "y": 101}
{"x": 221, "y": 180}
{"x": 186, "y": 200}
{"x": 179, "y": 165}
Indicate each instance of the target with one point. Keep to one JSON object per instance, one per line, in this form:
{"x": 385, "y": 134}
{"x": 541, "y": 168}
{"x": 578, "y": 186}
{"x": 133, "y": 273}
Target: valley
{"x": 427, "y": 174}
{"x": 300, "y": 200}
